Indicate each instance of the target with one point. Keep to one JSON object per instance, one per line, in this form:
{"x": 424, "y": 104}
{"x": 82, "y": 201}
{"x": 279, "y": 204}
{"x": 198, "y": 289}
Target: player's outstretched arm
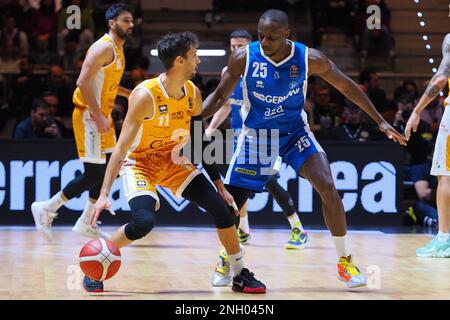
{"x": 140, "y": 106}
{"x": 210, "y": 168}
{"x": 320, "y": 65}
{"x": 229, "y": 80}
{"x": 99, "y": 54}
{"x": 436, "y": 85}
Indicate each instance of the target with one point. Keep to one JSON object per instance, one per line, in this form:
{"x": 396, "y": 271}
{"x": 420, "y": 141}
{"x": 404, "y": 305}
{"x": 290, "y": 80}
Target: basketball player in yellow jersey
{"x": 98, "y": 86}
{"x": 440, "y": 245}
{"x": 161, "y": 113}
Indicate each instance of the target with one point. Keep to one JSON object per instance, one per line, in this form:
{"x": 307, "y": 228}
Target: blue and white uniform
{"x": 236, "y": 102}
{"x": 273, "y": 96}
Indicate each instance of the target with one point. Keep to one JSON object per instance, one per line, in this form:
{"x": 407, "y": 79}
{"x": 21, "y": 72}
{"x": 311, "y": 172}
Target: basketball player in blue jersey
{"x": 299, "y": 238}
{"x": 274, "y": 73}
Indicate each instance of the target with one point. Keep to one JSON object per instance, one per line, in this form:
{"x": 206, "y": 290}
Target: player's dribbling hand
{"x": 101, "y": 204}
{"x": 392, "y": 133}
{"x": 413, "y": 123}
{"x": 226, "y": 196}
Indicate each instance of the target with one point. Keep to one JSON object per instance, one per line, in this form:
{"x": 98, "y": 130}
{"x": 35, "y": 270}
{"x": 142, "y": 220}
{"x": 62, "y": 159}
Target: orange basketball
{"x": 100, "y": 259}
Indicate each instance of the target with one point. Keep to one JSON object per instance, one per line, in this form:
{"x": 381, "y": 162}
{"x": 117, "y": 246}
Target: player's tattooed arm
{"x": 439, "y": 80}
{"x": 229, "y": 80}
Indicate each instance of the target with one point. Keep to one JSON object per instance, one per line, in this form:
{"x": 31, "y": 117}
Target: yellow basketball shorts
{"x": 140, "y": 177}
{"x": 92, "y": 146}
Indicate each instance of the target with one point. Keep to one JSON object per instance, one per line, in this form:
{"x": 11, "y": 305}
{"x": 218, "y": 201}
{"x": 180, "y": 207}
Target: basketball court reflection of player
{"x": 97, "y": 87}
{"x": 439, "y": 246}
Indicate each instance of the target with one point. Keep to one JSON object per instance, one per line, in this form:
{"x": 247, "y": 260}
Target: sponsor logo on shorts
{"x": 246, "y": 171}
{"x": 141, "y": 184}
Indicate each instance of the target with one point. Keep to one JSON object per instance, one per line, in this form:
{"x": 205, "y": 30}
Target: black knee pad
{"x": 143, "y": 219}
{"x": 141, "y": 225}
{"x": 224, "y": 217}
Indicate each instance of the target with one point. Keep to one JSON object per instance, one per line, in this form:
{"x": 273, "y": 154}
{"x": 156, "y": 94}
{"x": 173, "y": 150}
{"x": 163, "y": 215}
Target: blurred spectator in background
{"x": 377, "y": 42}
{"x": 84, "y": 37}
{"x": 71, "y": 53}
{"x": 325, "y": 115}
{"x": 24, "y": 88}
{"x": 57, "y": 81}
{"x": 13, "y": 45}
{"x": 370, "y": 83}
{"x": 138, "y": 74}
{"x": 52, "y": 99}
{"x": 353, "y": 127}
{"x": 407, "y": 87}
{"x": 43, "y": 57}
{"x": 40, "y": 124}
{"x": 16, "y": 9}
{"x": 339, "y": 14}
{"x": 44, "y": 21}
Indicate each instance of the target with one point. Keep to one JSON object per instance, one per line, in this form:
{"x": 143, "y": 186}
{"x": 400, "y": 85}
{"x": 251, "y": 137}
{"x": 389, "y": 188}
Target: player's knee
{"x": 223, "y": 217}
{"x": 140, "y": 226}
{"x": 327, "y": 188}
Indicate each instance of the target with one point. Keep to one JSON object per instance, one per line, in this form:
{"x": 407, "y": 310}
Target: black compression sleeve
{"x": 211, "y": 169}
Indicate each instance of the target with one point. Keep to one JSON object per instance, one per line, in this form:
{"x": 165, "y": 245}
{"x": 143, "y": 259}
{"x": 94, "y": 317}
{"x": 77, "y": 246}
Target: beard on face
{"x": 121, "y": 33}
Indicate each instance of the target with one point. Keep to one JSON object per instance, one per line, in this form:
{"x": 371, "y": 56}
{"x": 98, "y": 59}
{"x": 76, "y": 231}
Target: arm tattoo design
{"x": 432, "y": 91}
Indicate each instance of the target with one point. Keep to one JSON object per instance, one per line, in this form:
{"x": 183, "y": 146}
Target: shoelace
{"x": 295, "y": 236}
{"x": 350, "y": 267}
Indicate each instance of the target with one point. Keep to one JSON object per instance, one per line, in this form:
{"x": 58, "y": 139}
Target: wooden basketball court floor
{"x": 177, "y": 263}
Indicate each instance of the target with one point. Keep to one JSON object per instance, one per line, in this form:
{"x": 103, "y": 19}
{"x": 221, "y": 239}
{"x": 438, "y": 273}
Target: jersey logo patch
{"x": 141, "y": 184}
{"x": 191, "y": 104}
{"x": 294, "y": 71}
{"x": 163, "y": 108}
{"x": 260, "y": 84}
{"x": 276, "y": 75}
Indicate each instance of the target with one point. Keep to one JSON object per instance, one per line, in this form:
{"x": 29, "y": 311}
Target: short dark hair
{"x": 48, "y": 94}
{"x": 115, "y": 10}
{"x": 405, "y": 99}
{"x": 173, "y": 45}
{"x": 241, "y": 33}
{"x": 365, "y": 75}
{"x": 276, "y": 15}
{"x": 39, "y": 103}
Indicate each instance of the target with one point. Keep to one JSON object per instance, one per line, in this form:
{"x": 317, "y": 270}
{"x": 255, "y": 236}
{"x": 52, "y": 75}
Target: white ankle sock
{"x": 55, "y": 202}
{"x": 236, "y": 262}
{"x": 442, "y": 237}
{"x": 340, "y": 246}
{"x": 243, "y": 224}
{"x": 294, "y": 221}
{"x": 87, "y": 212}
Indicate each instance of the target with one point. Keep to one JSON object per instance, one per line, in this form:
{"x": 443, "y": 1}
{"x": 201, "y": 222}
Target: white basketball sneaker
{"x": 84, "y": 227}
{"x": 43, "y": 219}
